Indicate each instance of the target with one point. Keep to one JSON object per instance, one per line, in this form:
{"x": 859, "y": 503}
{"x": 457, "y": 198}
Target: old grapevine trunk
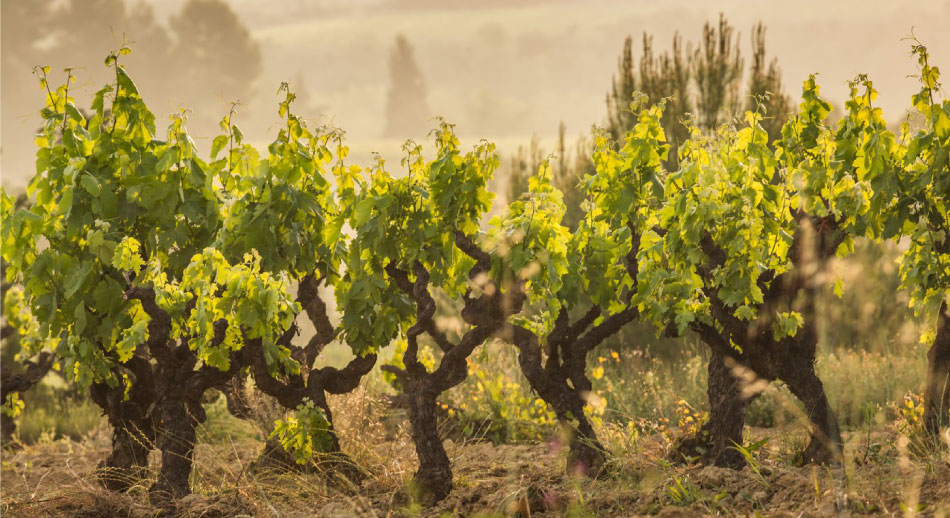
{"x": 761, "y": 357}
{"x": 179, "y": 388}
{"x": 716, "y": 440}
{"x": 586, "y": 454}
{"x": 735, "y": 379}
{"x": 33, "y": 372}
{"x": 292, "y": 391}
{"x": 937, "y": 389}
{"x": 134, "y": 419}
{"x": 560, "y": 375}
{"x": 176, "y": 440}
{"x": 434, "y": 476}
{"x": 486, "y": 314}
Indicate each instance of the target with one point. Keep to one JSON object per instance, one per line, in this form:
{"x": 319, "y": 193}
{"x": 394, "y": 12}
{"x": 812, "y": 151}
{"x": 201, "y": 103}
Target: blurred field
{"x": 501, "y": 71}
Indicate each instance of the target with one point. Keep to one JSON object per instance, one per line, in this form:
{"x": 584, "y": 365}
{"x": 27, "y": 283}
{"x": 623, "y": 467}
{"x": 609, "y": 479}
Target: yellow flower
{"x": 598, "y": 372}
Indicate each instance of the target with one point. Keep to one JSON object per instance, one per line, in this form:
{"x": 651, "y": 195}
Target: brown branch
{"x": 453, "y": 368}
{"x": 605, "y": 329}
{"x": 469, "y": 248}
{"x": 33, "y": 373}
{"x": 212, "y": 377}
{"x": 713, "y": 338}
{"x": 342, "y": 381}
{"x": 289, "y": 394}
{"x": 424, "y": 301}
{"x": 160, "y": 326}
{"x": 633, "y": 266}
{"x": 308, "y": 295}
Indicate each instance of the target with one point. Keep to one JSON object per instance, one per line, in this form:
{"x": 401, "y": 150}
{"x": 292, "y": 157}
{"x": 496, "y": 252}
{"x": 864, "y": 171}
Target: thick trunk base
{"x": 127, "y": 465}
{"x": 177, "y": 441}
{"x": 133, "y": 427}
{"x": 717, "y": 439}
{"x": 826, "y": 445}
{"x": 433, "y": 481}
{"x": 587, "y": 456}
{"x": 730, "y": 396}
{"x": 937, "y": 390}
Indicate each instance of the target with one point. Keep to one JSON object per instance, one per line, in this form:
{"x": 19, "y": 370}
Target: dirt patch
{"x": 57, "y": 479}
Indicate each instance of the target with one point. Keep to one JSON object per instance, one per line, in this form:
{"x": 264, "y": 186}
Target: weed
{"x": 748, "y": 453}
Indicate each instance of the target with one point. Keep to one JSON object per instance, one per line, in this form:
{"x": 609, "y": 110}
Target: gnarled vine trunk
{"x": 789, "y": 359}
{"x": 433, "y": 479}
{"x": 33, "y": 372}
{"x": 937, "y": 390}
{"x": 176, "y": 440}
{"x": 715, "y": 443}
{"x": 134, "y": 420}
{"x": 486, "y": 314}
{"x": 586, "y": 454}
{"x": 315, "y": 386}
{"x": 560, "y": 377}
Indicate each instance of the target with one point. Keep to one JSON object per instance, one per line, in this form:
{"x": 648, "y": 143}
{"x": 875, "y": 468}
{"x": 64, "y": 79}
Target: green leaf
{"x": 786, "y": 324}
{"x": 65, "y": 204}
{"x": 132, "y": 337}
{"x": 90, "y": 184}
{"x": 107, "y": 296}
{"x": 125, "y": 82}
{"x": 79, "y": 318}
{"x": 362, "y": 211}
{"x": 77, "y": 279}
{"x": 333, "y": 229}
{"x": 838, "y": 288}
{"x": 126, "y": 256}
{"x": 744, "y": 312}
{"x": 217, "y": 145}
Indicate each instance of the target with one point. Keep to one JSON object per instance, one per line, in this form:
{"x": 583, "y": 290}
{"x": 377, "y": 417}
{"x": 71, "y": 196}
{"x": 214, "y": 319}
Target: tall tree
{"x": 717, "y": 64}
{"x": 619, "y": 115}
{"x": 216, "y": 56}
{"x": 406, "y": 110}
{"x": 668, "y": 76}
{"x": 765, "y": 87}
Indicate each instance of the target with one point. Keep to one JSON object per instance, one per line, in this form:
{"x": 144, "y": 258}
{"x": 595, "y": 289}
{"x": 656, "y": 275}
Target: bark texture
{"x": 179, "y": 389}
{"x": 486, "y": 314}
{"x": 33, "y": 372}
{"x": 134, "y": 421}
{"x": 312, "y": 383}
{"x": 762, "y": 356}
{"x": 559, "y": 373}
{"x": 716, "y": 440}
{"x": 937, "y": 390}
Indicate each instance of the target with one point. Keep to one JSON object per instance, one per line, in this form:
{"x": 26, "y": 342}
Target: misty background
{"x": 381, "y": 69}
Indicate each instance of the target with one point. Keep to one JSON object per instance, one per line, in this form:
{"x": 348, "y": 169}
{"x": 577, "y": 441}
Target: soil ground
{"x": 881, "y": 477}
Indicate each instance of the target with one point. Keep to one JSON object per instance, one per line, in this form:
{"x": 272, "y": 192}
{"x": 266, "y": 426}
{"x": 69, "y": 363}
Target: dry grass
{"x": 881, "y": 477}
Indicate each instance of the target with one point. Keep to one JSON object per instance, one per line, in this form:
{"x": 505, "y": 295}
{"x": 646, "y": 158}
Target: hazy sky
{"x": 504, "y": 70}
